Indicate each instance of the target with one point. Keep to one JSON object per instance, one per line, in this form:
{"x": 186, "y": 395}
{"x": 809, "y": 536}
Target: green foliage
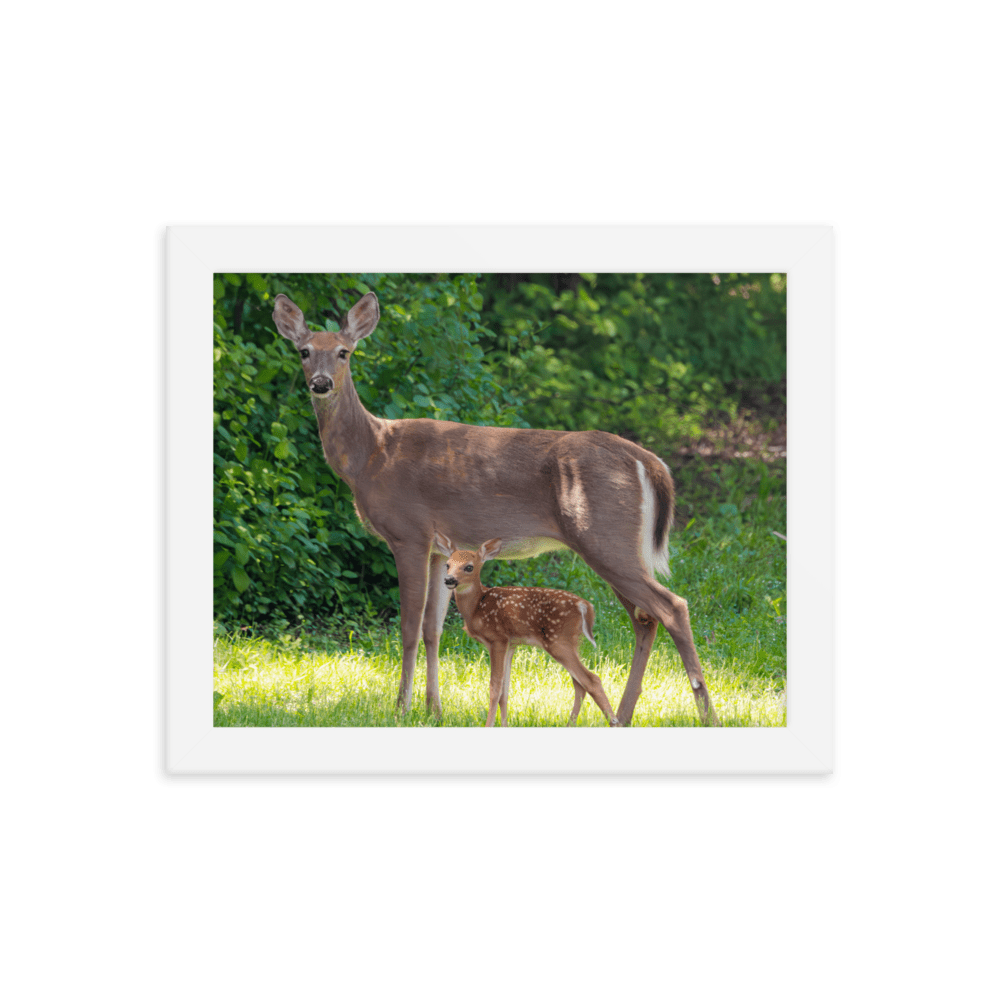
{"x": 288, "y": 544}
{"x": 653, "y": 357}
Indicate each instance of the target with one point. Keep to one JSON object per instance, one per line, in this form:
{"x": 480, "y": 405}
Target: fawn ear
{"x": 363, "y": 318}
{"x": 289, "y": 320}
{"x": 488, "y": 550}
{"x": 443, "y": 544}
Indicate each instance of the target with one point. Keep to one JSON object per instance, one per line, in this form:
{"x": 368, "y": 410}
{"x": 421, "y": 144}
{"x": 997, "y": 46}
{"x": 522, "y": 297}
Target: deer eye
{"x": 468, "y": 569}
{"x": 303, "y": 353}
{"x": 343, "y": 353}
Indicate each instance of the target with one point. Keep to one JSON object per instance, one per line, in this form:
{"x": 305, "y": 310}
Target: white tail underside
{"x": 658, "y": 561}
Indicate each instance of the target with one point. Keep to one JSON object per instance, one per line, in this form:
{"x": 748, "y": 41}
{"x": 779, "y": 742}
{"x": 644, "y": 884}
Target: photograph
{"x": 579, "y": 458}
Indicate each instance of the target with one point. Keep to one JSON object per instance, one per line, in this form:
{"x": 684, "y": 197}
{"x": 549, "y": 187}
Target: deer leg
{"x": 505, "y": 689}
{"x": 435, "y": 609}
{"x": 498, "y": 653}
{"x": 645, "y": 635}
{"x": 570, "y": 659}
{"x": 672, "y": 612}
{"x": 684, "y": 641}
{"x": 411, "y": 566}
{"x": 578, "y": 692}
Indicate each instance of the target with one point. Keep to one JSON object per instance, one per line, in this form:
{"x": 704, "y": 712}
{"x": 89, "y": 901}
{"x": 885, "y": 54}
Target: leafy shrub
{"x": 651, "y": 356}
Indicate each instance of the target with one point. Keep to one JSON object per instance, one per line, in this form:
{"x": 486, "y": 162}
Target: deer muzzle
{"x": 450, "y": 582}
{"x": 320, "y": 384}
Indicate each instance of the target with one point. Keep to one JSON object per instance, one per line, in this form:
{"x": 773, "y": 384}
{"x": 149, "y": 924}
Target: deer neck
{"x": 467, "y": 598}
{"x": 347, "y": 430}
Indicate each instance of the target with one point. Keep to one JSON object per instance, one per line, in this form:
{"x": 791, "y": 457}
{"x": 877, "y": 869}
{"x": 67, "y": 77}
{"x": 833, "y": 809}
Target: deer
{"x": 503, "y": 618}
{"x": 594, "y": 493}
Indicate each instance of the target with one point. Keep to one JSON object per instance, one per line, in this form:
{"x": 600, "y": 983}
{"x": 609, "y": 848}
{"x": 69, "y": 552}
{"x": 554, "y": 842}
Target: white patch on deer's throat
{"x": 324, "y": 402}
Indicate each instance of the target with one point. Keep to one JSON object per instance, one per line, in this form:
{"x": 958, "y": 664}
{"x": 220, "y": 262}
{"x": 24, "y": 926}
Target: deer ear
{"x": 489, "y": 550}
{"x": 289, "y": 320}
{"x": 443, "y": 544}
{"x": 363, "y": 318}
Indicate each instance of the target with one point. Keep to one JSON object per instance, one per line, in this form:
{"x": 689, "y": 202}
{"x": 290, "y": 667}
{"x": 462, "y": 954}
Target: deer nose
{"x": 450, "y": 582}
{"x": 320, "y": 384}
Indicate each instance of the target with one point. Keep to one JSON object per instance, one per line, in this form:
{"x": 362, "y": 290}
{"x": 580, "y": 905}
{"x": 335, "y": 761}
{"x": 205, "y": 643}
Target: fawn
{"x": 502, "y": 618}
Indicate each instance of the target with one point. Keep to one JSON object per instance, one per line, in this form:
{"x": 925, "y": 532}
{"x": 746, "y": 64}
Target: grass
{"x": 726, "y": 561}
{"x": 271, "y": 683}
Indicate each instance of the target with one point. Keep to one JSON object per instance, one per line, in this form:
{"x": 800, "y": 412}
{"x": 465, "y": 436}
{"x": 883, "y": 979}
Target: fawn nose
{"x": 450, "y": 582}
{"x": 320, "y": 384}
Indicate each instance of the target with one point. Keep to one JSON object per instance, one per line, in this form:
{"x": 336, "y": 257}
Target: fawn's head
{"x": 463, "y": 566}
{"x": 326, "y": 355}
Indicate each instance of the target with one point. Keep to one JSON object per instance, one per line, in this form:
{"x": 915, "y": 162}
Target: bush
{"x": 654, "y": 357}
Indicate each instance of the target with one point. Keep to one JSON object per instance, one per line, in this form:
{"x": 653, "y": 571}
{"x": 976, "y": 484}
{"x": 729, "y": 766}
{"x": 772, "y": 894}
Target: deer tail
{"x": 656, "y": 487}
{"x": 587, "y": 614}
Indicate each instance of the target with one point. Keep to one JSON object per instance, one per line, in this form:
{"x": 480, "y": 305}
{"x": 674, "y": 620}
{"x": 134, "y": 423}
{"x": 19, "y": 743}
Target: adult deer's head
{"x": 326, "y": 355}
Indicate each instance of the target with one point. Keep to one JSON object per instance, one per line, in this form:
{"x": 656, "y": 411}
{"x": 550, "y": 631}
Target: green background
{"x": 871, "y": 116}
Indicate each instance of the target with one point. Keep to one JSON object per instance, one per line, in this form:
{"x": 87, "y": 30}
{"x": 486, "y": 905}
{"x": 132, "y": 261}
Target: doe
{"x": 600, "y": 496}
{"x": 502, "y": 618}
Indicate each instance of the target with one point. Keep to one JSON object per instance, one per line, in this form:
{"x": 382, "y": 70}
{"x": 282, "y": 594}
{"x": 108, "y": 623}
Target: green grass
{"x": 726, "y": 561}
{"x": 268, "y": 683}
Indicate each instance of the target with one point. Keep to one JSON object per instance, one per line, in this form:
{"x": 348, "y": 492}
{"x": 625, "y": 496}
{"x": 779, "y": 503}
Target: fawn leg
{"x": 567, "y": 655}
{"x": 578, "y": 693}
{"x": 498, "y": 653}
{"x": 505, "y": 689}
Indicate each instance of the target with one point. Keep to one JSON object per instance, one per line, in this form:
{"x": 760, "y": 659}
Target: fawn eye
{"x": 468, "y": 569}
{"x": 303, "y": 353}
{"x": 343, "y": 353}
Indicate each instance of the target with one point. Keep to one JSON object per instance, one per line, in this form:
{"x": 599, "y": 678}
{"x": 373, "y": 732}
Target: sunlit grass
{"x": 287, "y": 683}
